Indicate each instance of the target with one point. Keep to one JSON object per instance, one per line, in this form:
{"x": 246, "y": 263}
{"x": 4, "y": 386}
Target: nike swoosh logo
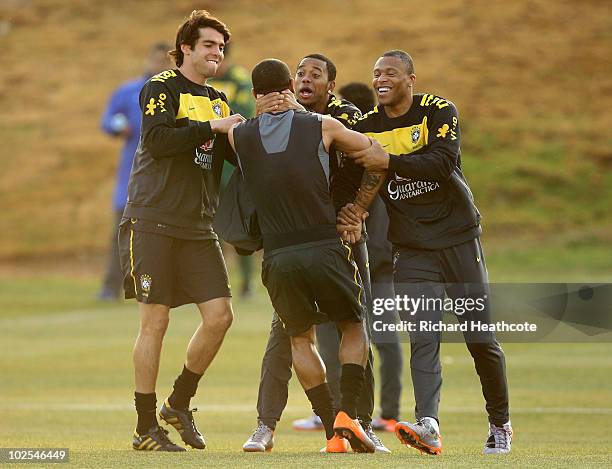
{"x": 191, "y": 108}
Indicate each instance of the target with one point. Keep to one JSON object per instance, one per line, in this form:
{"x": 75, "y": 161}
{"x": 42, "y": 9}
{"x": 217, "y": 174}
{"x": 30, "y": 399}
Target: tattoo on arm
{"x": 370, "y": 183}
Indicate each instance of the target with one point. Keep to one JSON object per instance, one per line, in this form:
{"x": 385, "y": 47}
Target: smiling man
{"x": 435, "y": 231}
{"x": 169, "y": 252}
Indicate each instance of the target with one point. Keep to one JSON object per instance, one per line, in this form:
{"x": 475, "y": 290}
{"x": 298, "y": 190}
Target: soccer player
{"x": 314, "y": 82}
{"x": 122, "y": 120}
{"x": 307, "y": 270}
{"x": 381, "y": 279}
{"x": 435, "y": 231}
{"x": 170, "y": 254}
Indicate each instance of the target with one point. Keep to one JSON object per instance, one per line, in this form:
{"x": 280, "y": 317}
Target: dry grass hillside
{"x": 531, "y": 80}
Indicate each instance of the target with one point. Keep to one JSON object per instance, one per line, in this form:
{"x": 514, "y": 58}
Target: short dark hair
{"x": 189, "y": 32}
{"x": 360, "y": 94}
{"x": 331, "y": 68}
{"x": 403, "y": 56}
{"x": 270, "y": 75}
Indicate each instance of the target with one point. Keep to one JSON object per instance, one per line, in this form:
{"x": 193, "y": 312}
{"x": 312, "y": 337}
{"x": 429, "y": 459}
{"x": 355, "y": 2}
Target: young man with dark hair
{"x": 307, "y": 270}
{"x": 169, "y": 253}
{"x": 435, "y": 231}
{"x": 314, "y": 88}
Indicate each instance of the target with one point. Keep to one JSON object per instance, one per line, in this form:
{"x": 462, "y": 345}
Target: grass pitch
{"x": 66, "y": 379}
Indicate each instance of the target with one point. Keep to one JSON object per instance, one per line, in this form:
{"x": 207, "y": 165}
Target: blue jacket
{"x": 124, "y": 101}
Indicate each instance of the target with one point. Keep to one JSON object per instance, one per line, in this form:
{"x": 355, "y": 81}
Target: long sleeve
{"x": 159, "y": 132}
{"x": 439, "y": 159}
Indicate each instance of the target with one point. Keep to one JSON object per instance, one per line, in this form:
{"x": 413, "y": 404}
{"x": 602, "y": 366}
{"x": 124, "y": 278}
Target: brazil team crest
{"x": 217, "y": 109}
{"x": 145, "y": 284}
{"x": 416, "y": 133}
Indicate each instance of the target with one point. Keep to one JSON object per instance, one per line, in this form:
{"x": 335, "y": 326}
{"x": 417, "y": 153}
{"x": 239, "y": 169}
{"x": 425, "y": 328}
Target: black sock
{"x": 146, "y": 407}
{"x": 185, "y": 388}
{"x": 351, "y": 382}
{"x": 321, "y": 400}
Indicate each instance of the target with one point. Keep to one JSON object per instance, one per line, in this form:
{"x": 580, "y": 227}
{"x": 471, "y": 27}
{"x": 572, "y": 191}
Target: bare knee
{"x": 154, "y": 319}
{"x": 217, "y": 315}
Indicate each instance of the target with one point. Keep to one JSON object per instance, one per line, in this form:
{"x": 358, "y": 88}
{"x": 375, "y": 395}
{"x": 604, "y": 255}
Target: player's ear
{"x": 186, "y": 49}
{"x": 292, "y": 85}
{"x": 412, "y": 78}
{"x": 254, "y": 94}
{"x": 331, "y": 86}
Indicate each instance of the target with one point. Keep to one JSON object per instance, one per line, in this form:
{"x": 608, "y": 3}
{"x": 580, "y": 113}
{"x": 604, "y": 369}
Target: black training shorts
{"x": 160, "y": 269}
{"x": 313, "y": 283}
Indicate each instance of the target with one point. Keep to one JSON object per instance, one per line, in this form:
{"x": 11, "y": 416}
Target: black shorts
{"x": 171, "y": 271}
{"x": 313, "y": 283}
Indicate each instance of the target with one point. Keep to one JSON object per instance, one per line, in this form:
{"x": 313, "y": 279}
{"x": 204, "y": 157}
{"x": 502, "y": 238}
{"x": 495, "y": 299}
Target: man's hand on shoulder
{"x": 222, "y": 126}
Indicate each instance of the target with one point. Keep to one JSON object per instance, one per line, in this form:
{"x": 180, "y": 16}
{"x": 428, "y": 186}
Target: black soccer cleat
{"x": 182, "y": 421}
{"x": 156, "y": 439}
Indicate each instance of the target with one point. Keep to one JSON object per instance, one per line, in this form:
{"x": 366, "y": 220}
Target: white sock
{"x": 433, "y": 422}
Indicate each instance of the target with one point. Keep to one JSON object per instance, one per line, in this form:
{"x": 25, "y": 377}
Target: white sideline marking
{"x": 248, "y": 408}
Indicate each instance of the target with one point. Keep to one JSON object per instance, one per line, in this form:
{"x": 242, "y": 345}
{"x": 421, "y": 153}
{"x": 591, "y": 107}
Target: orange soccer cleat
{"x": 336, "y": 445}
{"x": 351, "y": 429}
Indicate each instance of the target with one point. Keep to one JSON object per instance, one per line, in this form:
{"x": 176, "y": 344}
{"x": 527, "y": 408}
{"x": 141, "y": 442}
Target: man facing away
{"x": 170, "y": 254}
{"x": 307, "y": 270}
{"x": 315, "y": 80}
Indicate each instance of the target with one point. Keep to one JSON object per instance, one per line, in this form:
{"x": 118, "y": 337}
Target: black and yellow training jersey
{"x": 429, "y": 203}
{"x": 174, "y": 183}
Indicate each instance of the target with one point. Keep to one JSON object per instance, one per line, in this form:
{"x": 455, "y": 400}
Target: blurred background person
{"x": 235, "y": 82}
{"x": 122, "y": 120}
{"x": 381, "y": 277}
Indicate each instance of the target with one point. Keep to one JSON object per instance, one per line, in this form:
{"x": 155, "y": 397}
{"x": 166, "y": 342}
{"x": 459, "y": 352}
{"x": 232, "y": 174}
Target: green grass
{"x": 67, "y": 382}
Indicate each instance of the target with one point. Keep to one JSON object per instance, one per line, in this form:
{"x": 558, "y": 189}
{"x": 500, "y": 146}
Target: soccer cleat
{"x": 384, "y": 425}
{"x": 261, "y": 440}
{"x": 420, "y": 435}
{"x": 309, "y": 423}
{"x": 156, "y": 439}
{"x": 346, "y": 427}
{"x": 499, "y": 440}
{"x": 182, "y": 421}
{"x": 379, "y": 446}
{"x": 336, "y": 445}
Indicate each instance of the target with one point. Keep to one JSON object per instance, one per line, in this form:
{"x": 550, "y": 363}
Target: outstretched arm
{"x": 345, "y": 140}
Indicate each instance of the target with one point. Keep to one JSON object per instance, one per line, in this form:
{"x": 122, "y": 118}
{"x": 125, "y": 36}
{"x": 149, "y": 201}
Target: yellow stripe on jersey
{"x": 201, "y": 108}
{"x": 403, "y": 140}
{"x": 132, "y": 261}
